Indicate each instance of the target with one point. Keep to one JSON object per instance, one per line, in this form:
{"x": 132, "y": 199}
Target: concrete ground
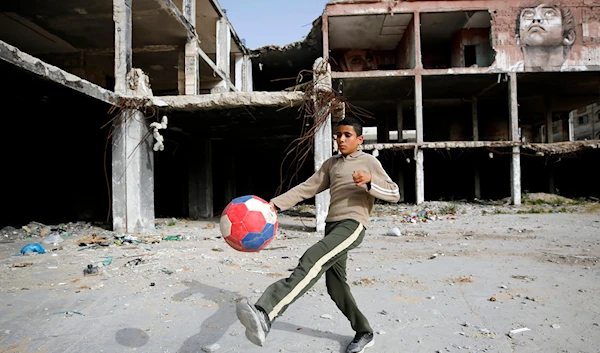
{"x": 458, "y": 283}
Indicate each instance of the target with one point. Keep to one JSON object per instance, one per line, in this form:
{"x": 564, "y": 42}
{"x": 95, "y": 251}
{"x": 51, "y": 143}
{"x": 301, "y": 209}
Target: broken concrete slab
{"x": 229, "y": 100}
{"x": 36, "y": 66}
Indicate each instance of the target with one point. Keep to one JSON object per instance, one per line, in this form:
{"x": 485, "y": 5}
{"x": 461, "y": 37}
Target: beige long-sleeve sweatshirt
{"x": 348, "y": 201}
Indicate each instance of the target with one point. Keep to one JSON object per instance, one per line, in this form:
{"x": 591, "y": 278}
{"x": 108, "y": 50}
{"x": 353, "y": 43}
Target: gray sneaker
{"x": 360, "y": 342}
{"x": 255, "y": 320}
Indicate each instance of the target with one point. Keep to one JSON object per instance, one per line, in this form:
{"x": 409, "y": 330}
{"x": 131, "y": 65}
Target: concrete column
{"x": 475, "y": 119}
{"x": 475, "y": 123}
{"x": 132, "y": 155}
{"x": 383, "y": 129}
{"x": 565, "y": 128}
{"x": 549, "y": 139}
{"x": 247, "y": 80}
{"x": 400, "y": 178}
{"x": 223, "y": 52}
{"x": 181, "y": 72}
{"x": 571, "y": 127}
{"x": 132, "y": 174}
{"x": 192, "y": 60}
{"x": 419, "y": 157}
{"x": 549, "y": 113}
{"x": 200, "y": 179}
{"x": 239, "y": 72}
{"x": 513, "y": 114}
{"x": 323, "y": 136}
{"x": 123, "y": 51}
{"x": 400, "y": 120}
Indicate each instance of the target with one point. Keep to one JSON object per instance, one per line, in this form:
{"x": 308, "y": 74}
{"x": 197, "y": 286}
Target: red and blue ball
{"x": 248, "y": 223}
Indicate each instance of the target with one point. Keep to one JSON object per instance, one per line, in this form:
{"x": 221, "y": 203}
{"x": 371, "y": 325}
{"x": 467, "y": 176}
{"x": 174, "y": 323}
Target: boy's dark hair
{"x": 355, "y": 123}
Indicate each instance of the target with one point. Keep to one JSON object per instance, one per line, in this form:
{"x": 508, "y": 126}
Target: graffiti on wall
{"x": 355, "y": 60}
{"x": 545, "y": 34}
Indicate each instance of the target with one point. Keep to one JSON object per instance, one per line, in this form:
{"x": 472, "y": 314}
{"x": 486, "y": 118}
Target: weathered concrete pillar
{"x": 549, "y": 114}
{"x": 565, "y": 127}
{"x": 243, "y": 73}
{"x": 200, "y": 179}
{"x": 132, "y": 155}
{"x": 123, "y": 51}
{"x": 400, "y": 179}
{"x": 223, "y": 52}
{"x": 239, "y": 72}
{"x": 383, "y": 129}
{"x": 247, "y": 81}
{"x": 132, "y": 174}
{"x": 323, "y": 137}
{"x": 181, "y": 72}
{"x": 513, "y": 114}
{"x": 400, "y": 122}
{"x": 571, "y": 127}
{"x": 192, "y": 60}
{"x": 475, "y": 124}
{"x": 400, "y": 138}
{"x": 419, "y": 156}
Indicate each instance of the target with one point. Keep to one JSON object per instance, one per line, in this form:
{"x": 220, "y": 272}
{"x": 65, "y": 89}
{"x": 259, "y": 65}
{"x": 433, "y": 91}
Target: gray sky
{"x": 279, "y": 22}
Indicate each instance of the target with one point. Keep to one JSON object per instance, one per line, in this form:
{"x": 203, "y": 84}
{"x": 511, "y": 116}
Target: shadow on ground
{"x": 215, "y": 326}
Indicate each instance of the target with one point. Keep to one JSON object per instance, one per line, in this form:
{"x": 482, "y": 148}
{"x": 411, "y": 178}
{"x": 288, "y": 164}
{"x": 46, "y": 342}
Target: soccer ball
{"x": 248, "y": 223}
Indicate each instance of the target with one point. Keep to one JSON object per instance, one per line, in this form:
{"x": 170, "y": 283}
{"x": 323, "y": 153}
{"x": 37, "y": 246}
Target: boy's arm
{"x": 312, "y": 186}
{"x": 378, "y": 183}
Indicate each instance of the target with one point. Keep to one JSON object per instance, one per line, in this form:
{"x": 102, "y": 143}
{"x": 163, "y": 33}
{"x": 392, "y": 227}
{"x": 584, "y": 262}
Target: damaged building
{"x": 130, "y": 110}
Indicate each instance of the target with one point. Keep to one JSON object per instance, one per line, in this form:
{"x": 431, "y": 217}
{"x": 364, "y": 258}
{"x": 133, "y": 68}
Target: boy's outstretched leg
{"x": 255, "y": 320}
{"x": 360, "y": 342}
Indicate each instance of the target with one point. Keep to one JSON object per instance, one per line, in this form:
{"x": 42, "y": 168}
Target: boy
{"x": 354, "y": 178}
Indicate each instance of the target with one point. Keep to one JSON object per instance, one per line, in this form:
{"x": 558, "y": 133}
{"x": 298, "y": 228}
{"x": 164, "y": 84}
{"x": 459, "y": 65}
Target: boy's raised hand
{"x": 361, "y": 178}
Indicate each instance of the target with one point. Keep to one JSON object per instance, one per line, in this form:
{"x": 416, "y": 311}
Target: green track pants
{"x": 327, "y": 256}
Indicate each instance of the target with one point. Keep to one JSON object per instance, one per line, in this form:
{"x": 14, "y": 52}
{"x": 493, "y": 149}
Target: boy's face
{"x": 347, "y": 140}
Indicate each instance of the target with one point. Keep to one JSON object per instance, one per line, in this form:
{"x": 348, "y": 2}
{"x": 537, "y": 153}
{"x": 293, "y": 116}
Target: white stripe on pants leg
{"x": 314, "y": 272}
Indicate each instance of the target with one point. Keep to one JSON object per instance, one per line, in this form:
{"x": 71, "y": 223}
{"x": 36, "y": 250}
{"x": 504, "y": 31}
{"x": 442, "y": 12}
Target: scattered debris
{"x": 33, "y": 248}
{"x": 463, "y": 279}
{"x": 211, "y": 348}
{"x": 394, "y": 232}
{"x": 23, "y": 264}
{"x": 107, "y": 261}
{"x": 68, "y": 313}
{"x": 53, "y": 238}
{"x": 519, "y": 330}
{"x": 326, "y": 316}
{"x": 94, "y": 240}
{"x": 524, "y": 277}
{"x": 134, "y": 262}
{"x": 173, "y": 237}
{"x": 90, "y": 270}
{"x": 493, "y": 299}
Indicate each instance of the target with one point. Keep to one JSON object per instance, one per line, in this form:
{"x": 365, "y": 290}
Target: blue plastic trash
{"x": 29, "y": 248}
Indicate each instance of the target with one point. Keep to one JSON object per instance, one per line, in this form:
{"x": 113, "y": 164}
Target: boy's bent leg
{"x": 256, "y": 322}
{"x": 340, "y": 237}
{"x": 339, "y": 291}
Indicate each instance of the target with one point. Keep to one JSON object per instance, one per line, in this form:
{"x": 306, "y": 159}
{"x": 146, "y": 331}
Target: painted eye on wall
{"x": 528, "y": 14}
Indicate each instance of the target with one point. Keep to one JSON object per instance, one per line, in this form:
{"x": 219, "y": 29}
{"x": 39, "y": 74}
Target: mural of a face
{"x": 358, "y": 60}
{"x": 545, "y": 34}
{"x": 541, "y": 25}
